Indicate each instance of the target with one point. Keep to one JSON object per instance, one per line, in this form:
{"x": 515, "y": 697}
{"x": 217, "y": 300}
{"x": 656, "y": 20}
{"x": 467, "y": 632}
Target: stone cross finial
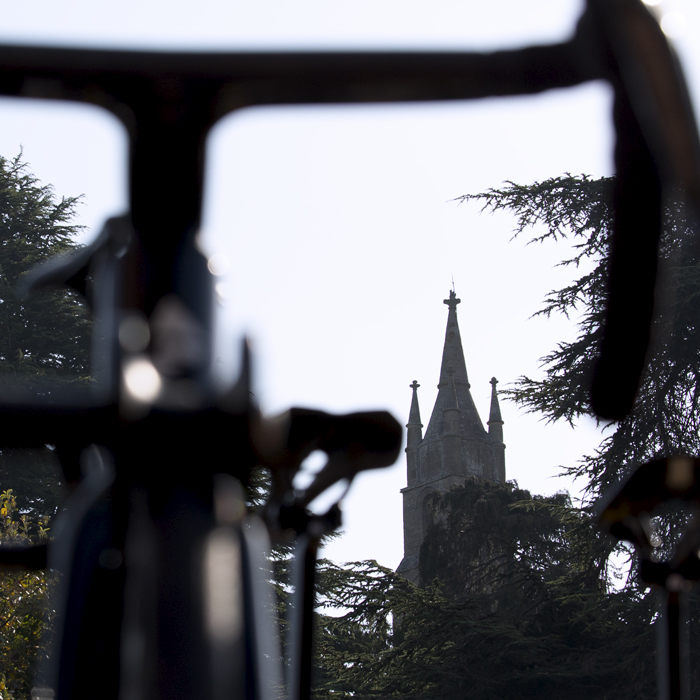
{"x": 494, "y": 381}
{"x": 452, "y": 301}
{"x": 415, "y": 385}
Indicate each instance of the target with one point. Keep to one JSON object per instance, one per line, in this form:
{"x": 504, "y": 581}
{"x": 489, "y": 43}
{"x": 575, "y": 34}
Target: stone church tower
{"x": 455, "y": 445}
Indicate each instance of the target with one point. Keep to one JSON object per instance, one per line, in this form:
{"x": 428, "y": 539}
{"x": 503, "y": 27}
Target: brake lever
{"x": 355, "y": 442}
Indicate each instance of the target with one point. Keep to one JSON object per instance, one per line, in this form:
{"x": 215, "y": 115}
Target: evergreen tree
{"x": 520, "y": 606}
{"x": 44, "y": 344}
{"x": 44, "y": 340}
{"x": 665, "y": 419}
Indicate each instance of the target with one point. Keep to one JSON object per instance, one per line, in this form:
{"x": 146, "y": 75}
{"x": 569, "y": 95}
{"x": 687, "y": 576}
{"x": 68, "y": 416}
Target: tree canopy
{"x": 665, "y": 419}
{"x": 519, "y": 606}
{"x": 45, "y": 339}
{"x": 44, "y": 343}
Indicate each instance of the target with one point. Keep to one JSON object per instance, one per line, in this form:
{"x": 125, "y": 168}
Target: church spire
{"x": 453, "y": 354}
{"x": 454, "y": 385}
{"x": 455, "y": 445}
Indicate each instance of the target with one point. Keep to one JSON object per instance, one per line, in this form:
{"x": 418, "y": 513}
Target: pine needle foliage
{"x": 666, "y": 418}
{"x": 44, "y": 340}
{"x": 44, "y": 345}
{"x": 577, "y": 210}
{"x": 518, "y": 606}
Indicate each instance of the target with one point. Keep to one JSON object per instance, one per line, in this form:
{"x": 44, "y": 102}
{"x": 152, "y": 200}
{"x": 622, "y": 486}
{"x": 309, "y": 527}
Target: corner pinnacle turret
{"x": 495, "y": 413}
{"x": 415, "y": 434}
{"x": 496, "y": 434}
{"x": 414, "y": 414}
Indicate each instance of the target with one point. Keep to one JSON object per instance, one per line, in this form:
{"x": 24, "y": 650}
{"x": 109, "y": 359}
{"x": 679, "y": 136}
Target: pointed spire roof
{"x": 452, "y": 354}
{"x": 454, "y": 384}
{"x": 414, "y": 415}
{"x": 451, "y": 400}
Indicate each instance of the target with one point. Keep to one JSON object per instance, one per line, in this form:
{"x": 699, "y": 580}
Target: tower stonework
{"x": 455, "y": 445}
